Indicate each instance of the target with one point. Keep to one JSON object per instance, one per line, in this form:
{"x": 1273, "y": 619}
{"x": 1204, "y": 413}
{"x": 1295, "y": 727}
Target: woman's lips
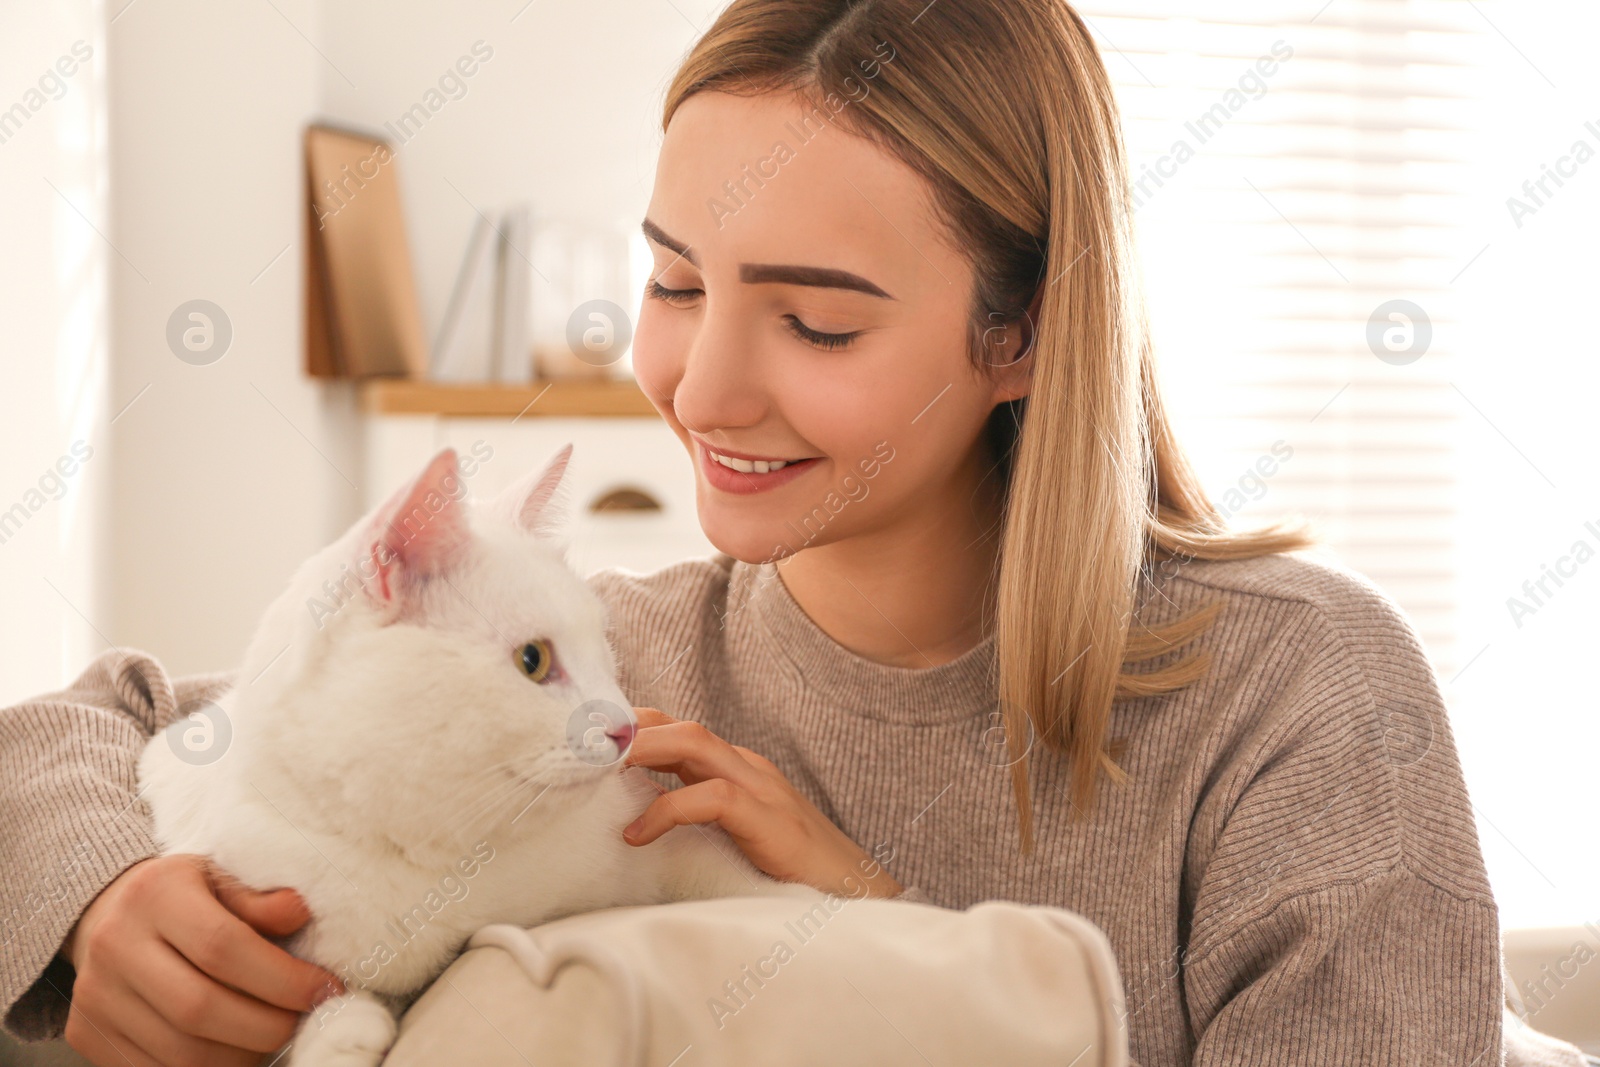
{"x": 731, "y": 481}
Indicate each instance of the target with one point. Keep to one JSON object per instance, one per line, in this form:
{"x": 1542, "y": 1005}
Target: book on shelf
{"x": 483, "y": 334}
{"x": 362, "y": 318}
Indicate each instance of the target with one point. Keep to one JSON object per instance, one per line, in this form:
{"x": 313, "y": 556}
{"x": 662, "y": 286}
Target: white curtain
{"x": 53, "y": 218}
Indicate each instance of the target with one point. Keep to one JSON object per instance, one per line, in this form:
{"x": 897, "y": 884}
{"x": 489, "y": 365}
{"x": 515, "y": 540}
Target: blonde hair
{"x": 1005, "y": 109}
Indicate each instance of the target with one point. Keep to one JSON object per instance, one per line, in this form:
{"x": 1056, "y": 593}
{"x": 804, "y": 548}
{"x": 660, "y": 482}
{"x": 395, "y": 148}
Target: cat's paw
{"x": 354, "y": 1030}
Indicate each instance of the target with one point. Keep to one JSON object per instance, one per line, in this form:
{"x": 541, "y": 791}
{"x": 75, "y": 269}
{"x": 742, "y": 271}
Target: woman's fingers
{"x": 656, "y": 717}
{"x": 692, "y": 752}
{"x": 159, "y": 1037}
{"x": 274, "y": 913}
{"x": 196, "y": 1004}
{"x": 226, "y": 948}
{"x": 92, "y": 1032}
{"x": 756, "y": 759}
{"x": 652, "y": 717}
{"x": 715, "y": 800}
{"x": 111, "y": 1024}
{"x": 89, "y": 1031}
{"x": 156, "y": 954}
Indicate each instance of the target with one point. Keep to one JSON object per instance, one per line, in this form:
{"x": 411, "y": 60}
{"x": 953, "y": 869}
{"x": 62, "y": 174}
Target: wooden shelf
{"x": 569, "y": 398}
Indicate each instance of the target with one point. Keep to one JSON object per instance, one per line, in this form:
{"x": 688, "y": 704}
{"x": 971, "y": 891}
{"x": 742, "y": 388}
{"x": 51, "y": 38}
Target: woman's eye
{"x": 656, "y": 291}
{"x": 814, "y": 337}
{"x": 537, "y": 660}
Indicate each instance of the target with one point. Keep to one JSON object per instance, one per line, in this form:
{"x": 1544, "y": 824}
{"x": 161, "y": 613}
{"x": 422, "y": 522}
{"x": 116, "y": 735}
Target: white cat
{"x": 426, "y": 736}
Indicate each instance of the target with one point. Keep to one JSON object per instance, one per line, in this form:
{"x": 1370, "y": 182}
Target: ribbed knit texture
{"x": 1291, "y": 875}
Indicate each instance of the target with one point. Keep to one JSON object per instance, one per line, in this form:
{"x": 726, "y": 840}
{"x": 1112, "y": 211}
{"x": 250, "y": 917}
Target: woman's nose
{"x": 718, "y": 385}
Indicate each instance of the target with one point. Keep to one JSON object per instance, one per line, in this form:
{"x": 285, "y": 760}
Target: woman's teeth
{"x": 751, "y": 466}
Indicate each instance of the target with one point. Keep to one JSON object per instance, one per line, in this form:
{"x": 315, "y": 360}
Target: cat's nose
{"x": 622, "y": 733}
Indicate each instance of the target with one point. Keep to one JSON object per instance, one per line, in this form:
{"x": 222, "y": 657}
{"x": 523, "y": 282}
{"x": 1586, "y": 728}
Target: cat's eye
{"x": 537, "y": 660}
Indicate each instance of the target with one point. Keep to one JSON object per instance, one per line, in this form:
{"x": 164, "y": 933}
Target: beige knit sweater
{"x": 1291, "y": 875}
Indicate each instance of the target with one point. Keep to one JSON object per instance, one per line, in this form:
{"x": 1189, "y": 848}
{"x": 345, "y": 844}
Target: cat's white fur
{"x": 385, "y": 743}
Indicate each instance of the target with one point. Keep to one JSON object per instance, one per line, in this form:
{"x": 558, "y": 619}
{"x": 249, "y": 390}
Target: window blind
{"x": 1295, "y": 178}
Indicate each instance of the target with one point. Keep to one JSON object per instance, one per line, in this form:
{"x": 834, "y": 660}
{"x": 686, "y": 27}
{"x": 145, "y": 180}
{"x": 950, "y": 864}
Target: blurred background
{"x": 1369, "y": 237}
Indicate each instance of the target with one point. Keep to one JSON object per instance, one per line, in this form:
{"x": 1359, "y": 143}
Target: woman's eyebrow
{"x": 822, "y": 277}
{"x": 756, "y": 273}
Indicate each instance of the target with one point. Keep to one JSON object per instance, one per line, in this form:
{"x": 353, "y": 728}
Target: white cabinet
{"x": 614, "y": 458}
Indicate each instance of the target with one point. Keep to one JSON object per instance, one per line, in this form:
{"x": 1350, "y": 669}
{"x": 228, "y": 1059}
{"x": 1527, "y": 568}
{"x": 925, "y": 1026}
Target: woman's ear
{"x": 1030, "y": 322}
{"x": 1008, "y": 352}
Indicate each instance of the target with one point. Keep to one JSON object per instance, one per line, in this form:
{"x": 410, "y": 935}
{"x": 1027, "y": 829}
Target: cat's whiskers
{"x": 485, "y": 807}
{"x": 489, "y": 803}
{"x": 484, "y": 774}
{"x": 512, "y": 797}
{"x": 480, "y": 786}
{"x": 474, "y": 794}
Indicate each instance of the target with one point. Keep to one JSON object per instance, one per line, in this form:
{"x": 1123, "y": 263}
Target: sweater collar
{"x": 957, "y": 690}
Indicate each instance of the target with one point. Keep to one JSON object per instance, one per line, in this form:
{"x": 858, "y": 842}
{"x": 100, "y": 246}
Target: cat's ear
{"x": 420, "y": 531}
{"x": 535, "y": 503}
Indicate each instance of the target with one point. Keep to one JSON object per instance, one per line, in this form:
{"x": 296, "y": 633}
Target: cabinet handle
{"x": 625, "y": 498}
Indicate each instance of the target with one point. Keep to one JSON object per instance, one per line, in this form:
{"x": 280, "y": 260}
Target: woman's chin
{"x": 749, "y": 542}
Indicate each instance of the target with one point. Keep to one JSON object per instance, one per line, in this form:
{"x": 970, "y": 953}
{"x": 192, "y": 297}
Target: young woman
{"x": 973, "y": 625}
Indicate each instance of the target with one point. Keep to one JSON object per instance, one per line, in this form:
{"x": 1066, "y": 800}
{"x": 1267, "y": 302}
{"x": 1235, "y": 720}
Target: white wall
{"x": 227, "y": 474}
{"x": 53, "y": 370}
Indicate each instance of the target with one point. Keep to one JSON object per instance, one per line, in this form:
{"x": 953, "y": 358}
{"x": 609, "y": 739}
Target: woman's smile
{"x": 742, "y": 472}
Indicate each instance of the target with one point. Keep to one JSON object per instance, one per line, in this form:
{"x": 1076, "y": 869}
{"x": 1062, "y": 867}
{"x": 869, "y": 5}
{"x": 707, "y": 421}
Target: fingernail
{"x": 633, "y": 828}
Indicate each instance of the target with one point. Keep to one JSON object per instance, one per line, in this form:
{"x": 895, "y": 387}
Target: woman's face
{"x": 809, "y": 312}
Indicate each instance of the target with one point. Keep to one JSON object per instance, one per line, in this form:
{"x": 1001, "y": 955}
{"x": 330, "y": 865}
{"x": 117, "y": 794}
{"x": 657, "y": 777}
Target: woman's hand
{"x": 171, "y": 969}
{"x": 781, "y": 831}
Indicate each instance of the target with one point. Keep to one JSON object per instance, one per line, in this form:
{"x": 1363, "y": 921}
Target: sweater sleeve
{"x": 1388, "y": 969}
{"x": 70, "y": 818}
{"x": 1342, "y": 913}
